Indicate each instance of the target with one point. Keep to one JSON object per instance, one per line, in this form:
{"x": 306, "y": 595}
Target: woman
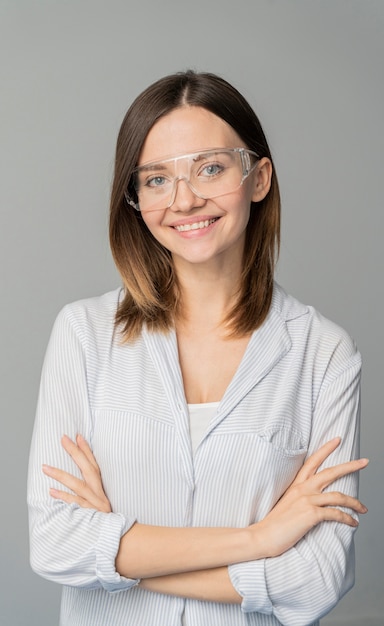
{"x": 221, "y": 414}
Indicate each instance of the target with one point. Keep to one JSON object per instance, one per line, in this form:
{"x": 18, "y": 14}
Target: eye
{"x": 155, "y": 181}
{"x": 211, "y": 169}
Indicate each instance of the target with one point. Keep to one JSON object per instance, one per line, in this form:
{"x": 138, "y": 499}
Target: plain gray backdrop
{"x": 313, "y": 70}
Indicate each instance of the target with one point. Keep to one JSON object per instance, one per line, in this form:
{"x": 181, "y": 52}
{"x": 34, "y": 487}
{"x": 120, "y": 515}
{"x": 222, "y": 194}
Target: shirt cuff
{"x": 250, "y": 583}
{"x": 114, "y": 526}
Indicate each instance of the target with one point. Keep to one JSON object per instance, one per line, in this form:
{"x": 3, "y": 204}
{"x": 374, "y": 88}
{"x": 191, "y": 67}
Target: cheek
{"x": 152, "y": 221}
{"x": 241, "y": 208}
{"x": 237, "y": 203}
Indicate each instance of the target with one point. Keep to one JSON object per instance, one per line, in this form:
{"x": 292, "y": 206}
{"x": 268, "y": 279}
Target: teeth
{"x": 195, "y": 225}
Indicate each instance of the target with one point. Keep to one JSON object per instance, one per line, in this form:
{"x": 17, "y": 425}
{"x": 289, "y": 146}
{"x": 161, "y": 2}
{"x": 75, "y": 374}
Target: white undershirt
{"x": 199, "y": 417}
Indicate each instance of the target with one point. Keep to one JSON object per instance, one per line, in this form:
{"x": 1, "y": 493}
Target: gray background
{"x": 313, "y": 70}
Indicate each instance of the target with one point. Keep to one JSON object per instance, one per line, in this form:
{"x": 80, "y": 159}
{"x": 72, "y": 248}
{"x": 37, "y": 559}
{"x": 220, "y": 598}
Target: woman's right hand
{"x": 88, "y": 491}
{"x": 304, "y": 504}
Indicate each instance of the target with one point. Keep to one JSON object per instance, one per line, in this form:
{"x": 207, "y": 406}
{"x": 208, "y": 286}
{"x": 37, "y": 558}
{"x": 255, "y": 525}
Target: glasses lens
{"x": 209, "y": 174}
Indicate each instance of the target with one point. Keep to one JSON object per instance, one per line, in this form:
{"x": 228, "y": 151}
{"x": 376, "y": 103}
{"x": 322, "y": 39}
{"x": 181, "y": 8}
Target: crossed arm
{"x": 193, "y": 562}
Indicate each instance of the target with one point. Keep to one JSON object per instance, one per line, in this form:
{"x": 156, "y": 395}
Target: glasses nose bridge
{"x": 182, "y": 172}
{"x": 182, "y": 169}
{"x": 175, "y": 188}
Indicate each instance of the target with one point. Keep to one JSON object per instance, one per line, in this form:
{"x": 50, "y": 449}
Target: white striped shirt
{"x": 296, "y": 387}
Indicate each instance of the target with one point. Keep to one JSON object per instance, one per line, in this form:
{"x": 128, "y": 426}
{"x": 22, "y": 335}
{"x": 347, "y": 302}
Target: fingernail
{"x": 53, "y": 492}
{"x": 364, "y": 509}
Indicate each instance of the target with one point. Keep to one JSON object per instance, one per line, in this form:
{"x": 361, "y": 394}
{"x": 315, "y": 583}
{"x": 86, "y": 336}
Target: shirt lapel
{"x": 267, "y": 346}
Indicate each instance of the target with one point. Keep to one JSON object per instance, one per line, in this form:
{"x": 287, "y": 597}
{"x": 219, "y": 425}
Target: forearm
{"x": 76, "y": 547}
{"x": 149, "y": 551}
{"x": 212, "y": 585}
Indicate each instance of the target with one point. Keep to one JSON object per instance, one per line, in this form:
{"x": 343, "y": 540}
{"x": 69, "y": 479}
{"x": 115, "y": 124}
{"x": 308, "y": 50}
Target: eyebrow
{"x": 196, "y": 156}
{"x": 151, "y": 167}
{"x": 200, "y": 156}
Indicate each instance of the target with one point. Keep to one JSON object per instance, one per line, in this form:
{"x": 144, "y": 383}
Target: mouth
{"x": 181, "y": 228}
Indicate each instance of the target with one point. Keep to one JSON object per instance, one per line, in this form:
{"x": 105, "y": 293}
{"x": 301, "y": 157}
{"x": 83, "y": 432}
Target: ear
{"x": 262, "y": 179}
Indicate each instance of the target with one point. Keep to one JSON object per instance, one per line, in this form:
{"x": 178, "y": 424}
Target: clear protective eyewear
{"x": 209, "y": 174}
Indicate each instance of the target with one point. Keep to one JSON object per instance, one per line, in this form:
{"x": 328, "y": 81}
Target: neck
{"x": 207, "y": 295}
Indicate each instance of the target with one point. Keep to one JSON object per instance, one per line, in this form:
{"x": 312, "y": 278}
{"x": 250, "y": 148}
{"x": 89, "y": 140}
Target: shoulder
{"x": 90, "y": 316}
{"x": 103, "y": 305}
{"x": 320, "y": 337}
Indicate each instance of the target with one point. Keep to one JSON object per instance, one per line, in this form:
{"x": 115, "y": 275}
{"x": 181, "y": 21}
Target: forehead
{"x": 185, "y": 130}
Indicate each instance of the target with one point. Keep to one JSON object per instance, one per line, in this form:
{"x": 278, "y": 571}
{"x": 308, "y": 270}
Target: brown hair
{"x": 151, "y": 290}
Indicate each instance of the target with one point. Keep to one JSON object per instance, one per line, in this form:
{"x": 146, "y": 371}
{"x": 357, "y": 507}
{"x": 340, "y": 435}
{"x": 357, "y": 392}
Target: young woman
{"x": 208, "y": 468}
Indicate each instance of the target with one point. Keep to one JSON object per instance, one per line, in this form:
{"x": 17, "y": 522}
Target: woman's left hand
{"x": 88, "y": 492}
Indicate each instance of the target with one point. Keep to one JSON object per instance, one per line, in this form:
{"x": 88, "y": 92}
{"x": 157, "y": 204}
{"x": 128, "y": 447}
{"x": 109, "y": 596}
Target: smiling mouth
{"x": 196, "y": 225}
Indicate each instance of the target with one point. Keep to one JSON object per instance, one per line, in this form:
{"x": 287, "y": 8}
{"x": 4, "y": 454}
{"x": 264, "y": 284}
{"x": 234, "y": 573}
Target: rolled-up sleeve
{"x": 306, "y": 582}
{"x": 68, "y": 544}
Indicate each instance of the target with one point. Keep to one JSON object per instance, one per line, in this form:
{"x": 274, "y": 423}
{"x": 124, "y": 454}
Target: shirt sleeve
{"x": 305, "y": 583}
{"x": 68, "y": 544}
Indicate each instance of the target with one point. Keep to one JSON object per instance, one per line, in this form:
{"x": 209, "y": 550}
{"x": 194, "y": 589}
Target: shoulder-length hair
{"x": 152, "y": 296}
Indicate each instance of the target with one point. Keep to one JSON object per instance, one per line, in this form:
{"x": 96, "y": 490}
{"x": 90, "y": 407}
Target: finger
{"x": 64, "y": 478}
{"x": 336, "y": 515}
{"x": 314, "y": 461}
{"x": 338, "y": 499}
{"x": 75, "y": 453}
{"x": 82, "y": 491}
{"x": 329, "y": 475}
{"x": 70, "y": 498}
{"x": 328, "y": 508}
{"x": 85, "y": 448}
{"x": 90, "y": 470}
{"x": 82, "y": 455}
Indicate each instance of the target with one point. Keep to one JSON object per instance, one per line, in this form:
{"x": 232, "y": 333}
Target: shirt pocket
{"x": 242, "y": 475}
{"x": 286, "y": 440}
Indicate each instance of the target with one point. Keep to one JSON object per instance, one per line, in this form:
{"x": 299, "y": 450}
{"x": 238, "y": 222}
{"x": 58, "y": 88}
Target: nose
{"x": 184, "y": 198}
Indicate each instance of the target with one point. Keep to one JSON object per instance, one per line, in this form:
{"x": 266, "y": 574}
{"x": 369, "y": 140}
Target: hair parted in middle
{"x": 152, "y": 295}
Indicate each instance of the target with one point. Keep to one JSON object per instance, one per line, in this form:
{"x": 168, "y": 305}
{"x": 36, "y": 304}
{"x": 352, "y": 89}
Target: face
{"x": 193, "y": 229}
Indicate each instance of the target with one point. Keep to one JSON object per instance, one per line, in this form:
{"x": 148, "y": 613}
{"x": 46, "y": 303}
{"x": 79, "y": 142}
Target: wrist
{"x": 257, "y": 541}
